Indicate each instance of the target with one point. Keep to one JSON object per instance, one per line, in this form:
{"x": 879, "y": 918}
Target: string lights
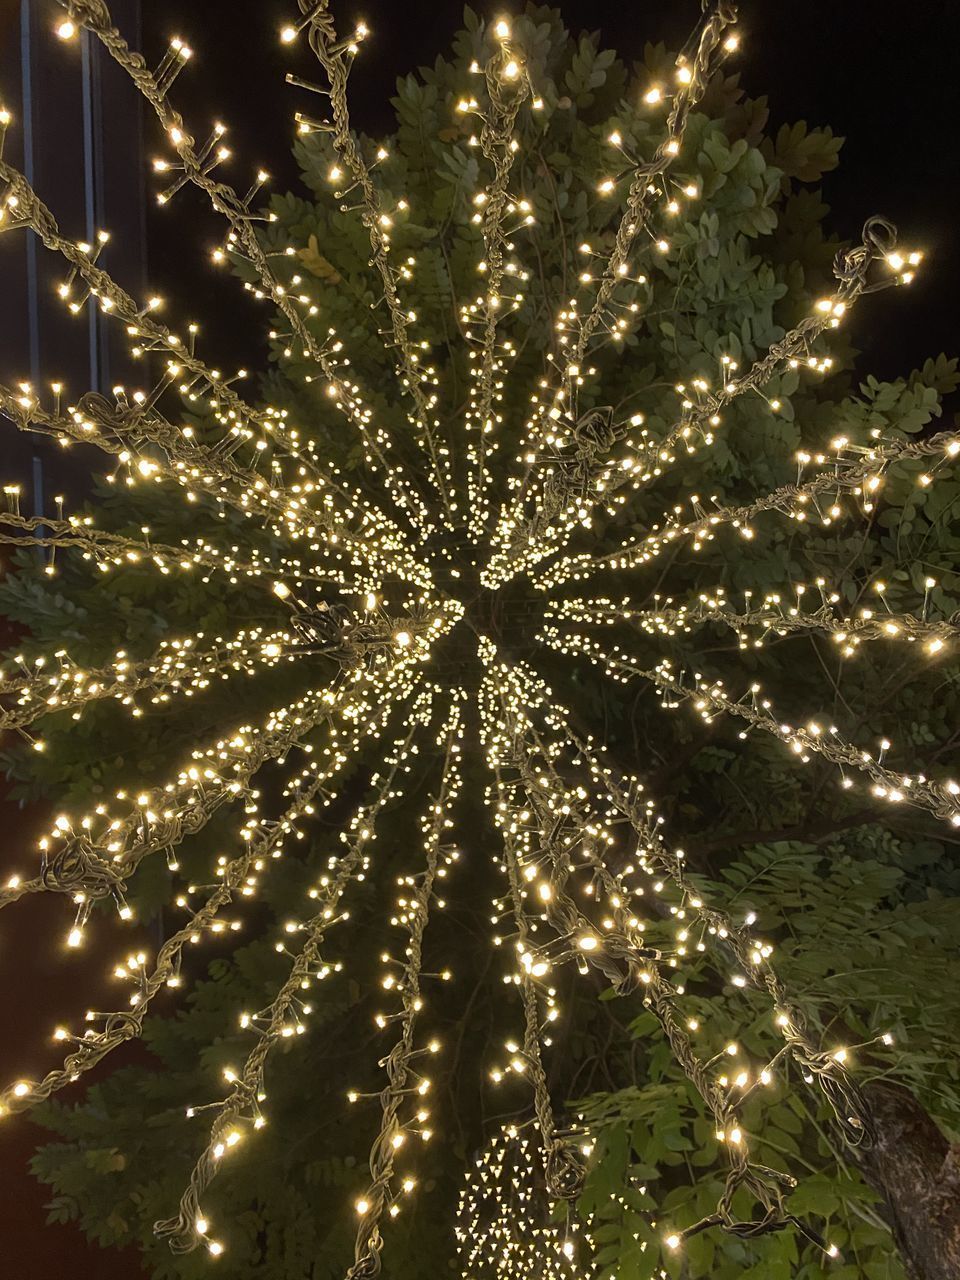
{"x": 367, "y": 586}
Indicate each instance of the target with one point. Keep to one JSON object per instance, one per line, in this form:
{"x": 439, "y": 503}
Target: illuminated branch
{"x": 775, "y": 617}
{"x": 508, "y": 85}
{"x": 655, "y": 859}
{"x": 135, "y": 434}
{"x": 646, "y": 188}
{"x": 114, "y": 550}
{"x": 561, "y": 823}
{"x": 564, "y": 1170}
{"x": 90, "y": 866}
{"x": 587, "y": 478}
{"x": 149, "y": 332}
{"x": 178, "y": 668}
{"x": 693, "y": 77}
{"x": 95, "y": 16}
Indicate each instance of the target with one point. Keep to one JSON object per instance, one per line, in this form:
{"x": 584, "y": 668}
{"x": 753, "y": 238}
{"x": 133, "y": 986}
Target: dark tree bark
{"x": 917, "y": 1171}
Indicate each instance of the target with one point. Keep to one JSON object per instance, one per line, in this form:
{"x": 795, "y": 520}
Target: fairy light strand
{"x": 336, "y": 58}
{"x": 95, "y": 17}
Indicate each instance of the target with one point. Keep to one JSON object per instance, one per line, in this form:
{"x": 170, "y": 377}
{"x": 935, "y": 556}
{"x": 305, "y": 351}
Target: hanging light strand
{"x": 862, "y": 479}
{"x": 95, "y": 17}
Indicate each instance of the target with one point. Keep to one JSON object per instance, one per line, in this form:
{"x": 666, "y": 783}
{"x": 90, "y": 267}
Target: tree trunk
{"x": 917, "y": 1171}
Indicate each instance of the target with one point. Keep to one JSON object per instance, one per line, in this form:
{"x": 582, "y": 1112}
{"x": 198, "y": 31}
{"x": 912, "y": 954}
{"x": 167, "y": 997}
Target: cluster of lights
{"x": 573, "y": 487}
{"x": 854, "y": 472}
{"x": 518, "y": 534}
{"x": 402, "y": 1102}
{"x": 179, "y": 668}
{"x": 505, "y": 1228}
{"x": 357, "y": 711}
{"x": 499, "y": 215}
{"x": 287, "y": 1015}
{"x": 333, "y": 553}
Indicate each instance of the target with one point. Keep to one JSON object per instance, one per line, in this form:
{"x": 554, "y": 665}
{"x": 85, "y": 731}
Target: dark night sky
{"x": 884, "y": 76}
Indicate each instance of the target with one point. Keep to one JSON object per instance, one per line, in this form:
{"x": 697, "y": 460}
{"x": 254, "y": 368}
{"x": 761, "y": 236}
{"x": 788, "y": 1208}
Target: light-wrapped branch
{"x": 775, "y": 617}
{"x": 560, "y": 824}
{"x": 94, "y": 859}
{"x": 116, "y": 550}
{"x": 152, "y": 448}
{"x": 693, "y": 76}
{"x": 588, "y": 477}
{"x": 150, "y": 333}
{"x": 95, "y": 16}
{"x": 563, "y": 1167}
{"x": 179, "y": 668}
{"x": 508, "y": 87}
{"x": 655, "y": 859}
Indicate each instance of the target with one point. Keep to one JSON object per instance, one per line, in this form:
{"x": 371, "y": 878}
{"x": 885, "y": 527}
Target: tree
{"x": 837, "y": 598}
